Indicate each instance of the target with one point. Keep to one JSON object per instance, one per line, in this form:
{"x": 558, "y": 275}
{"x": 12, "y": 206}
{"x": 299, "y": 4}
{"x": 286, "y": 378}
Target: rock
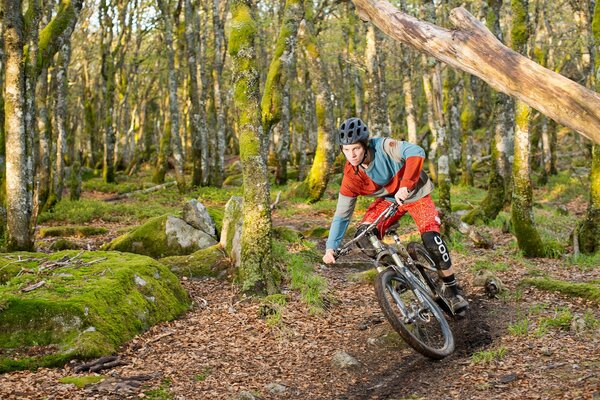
{"x": 162, "y": 237}
{"x": 246, "y": 395}
{"x": 545, "y": 351}
{"x": 577, "y": 325}
{"x": 91, "y": 304}
{"x": 231, "y": 234}
{"x": 275, "y": 388}
{"x": 343, "y": 360}
{"x": 64, "y": 244}
{"x": 195, "y": 214}
{"x": 209, "y": 262}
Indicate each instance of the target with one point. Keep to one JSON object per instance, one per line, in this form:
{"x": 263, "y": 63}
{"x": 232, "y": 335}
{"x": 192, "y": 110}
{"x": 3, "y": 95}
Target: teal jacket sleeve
{"x": 341, "y": 220}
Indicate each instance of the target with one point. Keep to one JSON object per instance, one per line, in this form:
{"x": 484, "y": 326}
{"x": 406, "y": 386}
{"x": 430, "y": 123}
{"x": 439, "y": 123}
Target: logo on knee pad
{"x": 442, "y": 248}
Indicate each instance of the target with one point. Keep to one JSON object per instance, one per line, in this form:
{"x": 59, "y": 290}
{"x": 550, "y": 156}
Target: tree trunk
{"x": 467, "y": 126}
{"x": 176, "y": 145}
{"x": 320, "y": 171}
{"x": 256, "y": 270}
{"x": 108, "y": 76}
{"x": 589, "y": 230}
{"x": 44, "y": 140}
{"x": 375, "y": 97}
{"x": 218, "y": 171}
{"x": 197, "y": 114}
{"x": 275, "y": 103}
{"x": 60, "y": 116}
{"x": 17, "y": 204}
{"x": 523, "y": 221}
{"x": 472, "y": 48}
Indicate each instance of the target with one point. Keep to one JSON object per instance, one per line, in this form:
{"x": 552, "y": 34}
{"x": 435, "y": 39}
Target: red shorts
{"x": 422, "y": 211}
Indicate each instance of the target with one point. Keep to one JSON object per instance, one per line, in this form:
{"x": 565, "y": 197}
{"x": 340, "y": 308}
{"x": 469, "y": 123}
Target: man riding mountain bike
{"x": 390, "y": 170}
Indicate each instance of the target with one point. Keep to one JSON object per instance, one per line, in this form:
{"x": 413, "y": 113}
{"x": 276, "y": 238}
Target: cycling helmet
{"x": 353, "y": 130}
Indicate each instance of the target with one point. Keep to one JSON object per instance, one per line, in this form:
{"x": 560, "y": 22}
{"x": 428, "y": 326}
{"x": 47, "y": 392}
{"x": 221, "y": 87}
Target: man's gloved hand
{"x": 401, "y": 195}
{"x": 328, "y": 258}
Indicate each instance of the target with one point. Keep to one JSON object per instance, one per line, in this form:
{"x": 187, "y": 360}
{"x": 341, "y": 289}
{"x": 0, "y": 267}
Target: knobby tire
{"x": 415, "y": 333}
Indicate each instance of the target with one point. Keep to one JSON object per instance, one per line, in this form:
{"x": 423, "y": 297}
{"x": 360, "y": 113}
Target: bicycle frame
{"x": 382, "y": 249}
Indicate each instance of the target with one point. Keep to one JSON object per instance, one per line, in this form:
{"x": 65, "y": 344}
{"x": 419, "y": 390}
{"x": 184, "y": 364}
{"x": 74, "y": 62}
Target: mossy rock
{"x": 161, "y": 237}
{"x": 64, "y": 244}
{"x": 231, "y": 234}
{"x": 89, "y": 304}
{"x": 233, "y": 180}
{"x": 78, "y": 231}
{"x": 209, "y": 262}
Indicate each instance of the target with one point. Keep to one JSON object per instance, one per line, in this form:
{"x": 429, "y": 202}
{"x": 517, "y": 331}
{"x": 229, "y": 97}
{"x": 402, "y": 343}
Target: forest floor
{"x": 526, "y": 343}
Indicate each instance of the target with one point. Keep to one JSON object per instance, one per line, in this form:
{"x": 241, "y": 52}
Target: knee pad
{"x": 364, "y": 243}
{"x": 437, "y": 249}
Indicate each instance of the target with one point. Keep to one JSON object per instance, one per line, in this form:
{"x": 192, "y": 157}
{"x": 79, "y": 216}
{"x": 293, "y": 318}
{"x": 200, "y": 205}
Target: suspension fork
{"x": 399, "y": 265}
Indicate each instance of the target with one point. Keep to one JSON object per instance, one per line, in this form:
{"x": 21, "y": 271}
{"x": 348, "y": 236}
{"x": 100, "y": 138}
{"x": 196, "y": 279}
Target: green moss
{"x": 519, "y": 33}
{"x": 73, "y": 230}
{"x": 87, "y": 307}
{"x": 82, "y": 381}
{"x": 588, "y": 291}
{"x": 64, "y": 244}
{"x": 211, "y": 261}
{"x": 149, "y": 239}
{"x": 286, "y": 234}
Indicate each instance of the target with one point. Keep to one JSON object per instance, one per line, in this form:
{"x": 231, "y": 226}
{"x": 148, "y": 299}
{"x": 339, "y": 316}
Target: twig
{"x": 31, "y": 288}
{"x": 276, "y": 201}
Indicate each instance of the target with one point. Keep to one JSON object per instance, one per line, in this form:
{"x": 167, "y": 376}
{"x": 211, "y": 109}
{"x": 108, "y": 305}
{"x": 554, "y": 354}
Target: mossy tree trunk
{"x": 176, "y": 145}
{"x": 320, "y": 171}
{"x": 375, "y": 95}
{"x": 17, "y": 196}
{"x": 108, "y": 90}
{"x": 527, "y": 235}
{"x": 589, "y": 230}
{"x": 256, "y": 273}
{"x": 197, "y": 114}
{"x": 275, "y": 103}
{"x": 503, "y": 132}
{"x": 27, "y": 52}
{"x": 218, "y": 170}
{"x": 467, "y": 126}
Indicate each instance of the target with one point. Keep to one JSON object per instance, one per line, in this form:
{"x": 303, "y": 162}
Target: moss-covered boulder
{"x": 76, "y": 304}
{"x": 71, "y": 230}
{"x": 209, "y": 262}
{"x": 231, "y": 234}
{"x": 162, "y": 237}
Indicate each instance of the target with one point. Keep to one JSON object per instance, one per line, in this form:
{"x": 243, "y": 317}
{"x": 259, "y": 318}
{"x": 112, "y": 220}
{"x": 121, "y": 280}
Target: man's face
{"x": 354, "y": 153}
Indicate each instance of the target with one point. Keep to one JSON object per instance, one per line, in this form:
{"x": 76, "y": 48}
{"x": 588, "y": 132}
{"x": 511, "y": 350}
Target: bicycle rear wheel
{"x": 414, "y": 315}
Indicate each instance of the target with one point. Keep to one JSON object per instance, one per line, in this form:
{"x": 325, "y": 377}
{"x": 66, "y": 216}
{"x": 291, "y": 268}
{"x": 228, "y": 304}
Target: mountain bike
{"x": 409, "y": 291}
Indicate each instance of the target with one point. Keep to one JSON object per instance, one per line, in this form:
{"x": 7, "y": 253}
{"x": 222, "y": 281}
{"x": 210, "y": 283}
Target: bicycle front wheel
{"x": 414, "y": 315}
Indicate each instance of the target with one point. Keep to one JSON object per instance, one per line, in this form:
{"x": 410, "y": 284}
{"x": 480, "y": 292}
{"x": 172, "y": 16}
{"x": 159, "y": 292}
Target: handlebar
{"x": 385, "y": 214}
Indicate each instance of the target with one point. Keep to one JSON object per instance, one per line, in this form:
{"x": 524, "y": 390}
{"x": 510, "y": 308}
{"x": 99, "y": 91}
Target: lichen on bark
{"x": 256, "y": 273}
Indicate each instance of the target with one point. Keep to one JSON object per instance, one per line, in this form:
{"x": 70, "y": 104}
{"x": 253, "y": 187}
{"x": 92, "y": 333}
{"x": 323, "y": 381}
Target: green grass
{"x": 85, "y": 211}
{"x": 564, "y": 187}
{"x": 586, "y": 262}
{"x": 519, "y": 328}
{"x": 81, "y": 381}
{"x": 160, "y": 393}
{"x": 487, "y": 356}
{"x": 201, "y": 376}
{"x": 591, "y": 322}
{"x": 560, "y": 320}
{"x": 299, "y": 270}
{"x": 481, "y": 265}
